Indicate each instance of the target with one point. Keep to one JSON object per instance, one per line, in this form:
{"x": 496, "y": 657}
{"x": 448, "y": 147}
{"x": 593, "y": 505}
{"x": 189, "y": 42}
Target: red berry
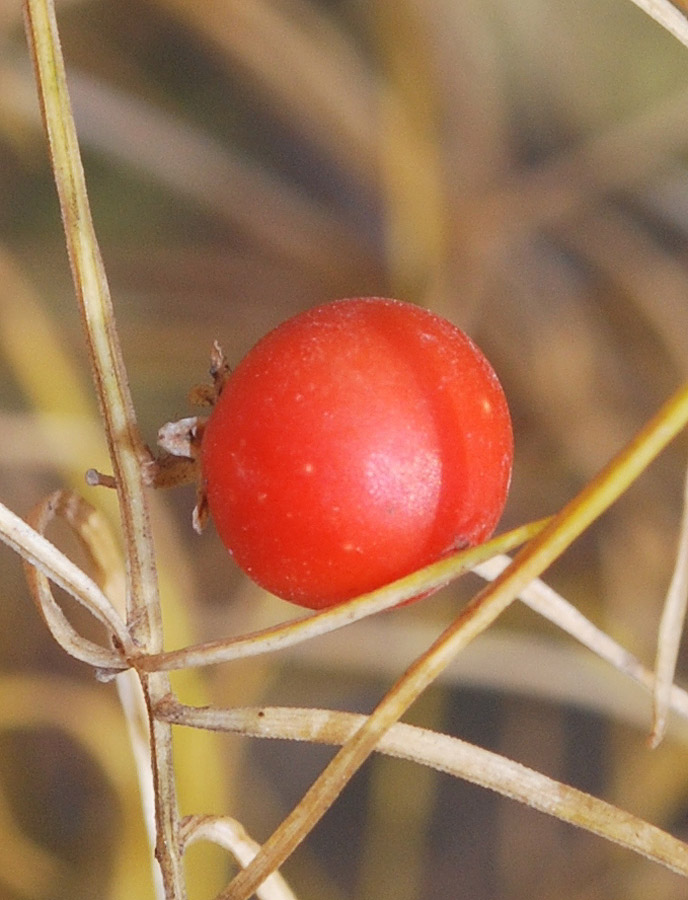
{"x": 354, "y": 444}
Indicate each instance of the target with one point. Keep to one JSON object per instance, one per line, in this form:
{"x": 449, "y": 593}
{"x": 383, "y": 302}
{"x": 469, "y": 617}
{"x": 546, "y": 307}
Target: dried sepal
{"x": 207, "y": 394}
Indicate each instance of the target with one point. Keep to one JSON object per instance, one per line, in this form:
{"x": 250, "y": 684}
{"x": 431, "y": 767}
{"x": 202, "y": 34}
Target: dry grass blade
{"x": 453, "y": 756}
{"x": 625, "y": 154}
{"x": 671, "y": 629}
{"x": 626, "y": 254}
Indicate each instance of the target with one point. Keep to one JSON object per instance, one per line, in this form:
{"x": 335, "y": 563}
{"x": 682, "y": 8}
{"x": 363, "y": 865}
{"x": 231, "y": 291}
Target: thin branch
{"x": 127, "y": 452}
{"x": 452, "y": 756}
{"x": 95, "y": 304}
{"x": 96, "y": 538}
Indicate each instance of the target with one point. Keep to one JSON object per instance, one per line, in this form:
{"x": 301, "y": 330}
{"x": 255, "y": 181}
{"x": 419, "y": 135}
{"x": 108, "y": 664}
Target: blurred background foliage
{"x": 520, "y": 167}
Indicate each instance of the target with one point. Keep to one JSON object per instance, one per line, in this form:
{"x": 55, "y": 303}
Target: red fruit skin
{"x": 354, "y": 444}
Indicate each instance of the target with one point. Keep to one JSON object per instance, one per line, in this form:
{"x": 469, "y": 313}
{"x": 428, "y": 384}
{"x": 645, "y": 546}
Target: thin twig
{"x": 452, "y": 756}
{"x": 127, "y": 452}
{"x": 124, "y": 442}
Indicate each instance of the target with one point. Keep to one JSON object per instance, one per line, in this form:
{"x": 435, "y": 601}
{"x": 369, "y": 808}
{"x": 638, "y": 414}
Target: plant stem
{"x": 95, "y": 305}
{"x": 127, "y": 453}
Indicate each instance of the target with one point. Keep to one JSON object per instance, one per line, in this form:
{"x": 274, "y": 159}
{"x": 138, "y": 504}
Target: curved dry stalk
{"x": 287, "y": 635}
{"x": 483, "y": 610}
{"x": 94, "y": 534}
{"x": 452, "y": 756}
{"x": 671, "y": 629}
{"x": 45, "y": 561}
{"x": 230, "y": 834}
